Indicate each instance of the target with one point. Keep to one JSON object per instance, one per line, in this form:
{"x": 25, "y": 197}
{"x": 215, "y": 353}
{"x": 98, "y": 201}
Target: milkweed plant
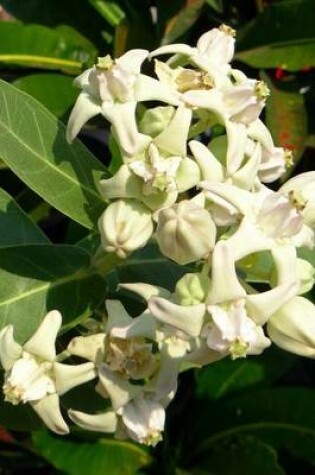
{"x": 194, "y": 177}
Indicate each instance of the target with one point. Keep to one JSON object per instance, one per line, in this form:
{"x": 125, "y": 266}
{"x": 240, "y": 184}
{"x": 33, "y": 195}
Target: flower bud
{"x": 192, "y": 289}
{"x": 125, "y": 226}
{"x": 185, "y": 232}
{"x": 305, "y": 274}
{"x": 292, "y": 328}
{"x": 303, "y": 187}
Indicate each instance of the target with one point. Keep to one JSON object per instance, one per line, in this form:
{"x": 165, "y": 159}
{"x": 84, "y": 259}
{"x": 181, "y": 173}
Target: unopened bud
{"x": 192, "y": 289}
{"x": 185, "y": 232}
{"x": 292, "y": 328}
{"x": 125, "y": 226}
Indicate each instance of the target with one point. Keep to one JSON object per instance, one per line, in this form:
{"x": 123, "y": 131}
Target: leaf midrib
{"x": 47, "y": 162}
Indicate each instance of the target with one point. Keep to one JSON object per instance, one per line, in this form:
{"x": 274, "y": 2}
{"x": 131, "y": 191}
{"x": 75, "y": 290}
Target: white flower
{"x": 213, "y": 52}
{"x": 269, "y": 218}
{"x": 144, "y": 420}
{"x": 232, "y": 332}
{"x": 302, "y": 187}
{"x": 160, "y": 169}
{"x": 33, "y": 375}
{"x": 113, "y": 88}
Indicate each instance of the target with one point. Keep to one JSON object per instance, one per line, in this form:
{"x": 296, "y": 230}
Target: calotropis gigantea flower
{"x": 136, "y": 412}
{"x": 33, "y": 374}
{"x": 125, "y": 225}
{"x": 271, "y": 219}
{"x": 128, "y": 355}
{"x": 213, "y": 52}
{"x": 185, "y": 232}
{"x": 113, "y": 88}
{"x": 160, "y": 170}
{"x": 235, "y": 102}
{"x": 303, "y": 188}
{"x": 292, "y": 327}
{"x": 274, "y": 160}
{"x": 229, "y": 319}
{"x": 237, "y": 167}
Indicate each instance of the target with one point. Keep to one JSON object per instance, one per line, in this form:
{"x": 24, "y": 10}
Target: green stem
{"x": 103, "y": 262}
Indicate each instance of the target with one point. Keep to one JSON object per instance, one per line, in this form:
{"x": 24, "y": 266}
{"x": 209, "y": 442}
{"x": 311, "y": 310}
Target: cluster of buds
{"x": 204, "y": 198}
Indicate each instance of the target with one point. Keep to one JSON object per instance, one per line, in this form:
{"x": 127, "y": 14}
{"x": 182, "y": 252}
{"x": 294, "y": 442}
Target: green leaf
{"x": 290, "y": 42}
{"x": 54, "y": 91}
{"x": 111, "y": 11}
{"x": 16, "y": 227}
{"x": 39, "y": 278}
{"x": 281, "y": 417}
{"x": 105, "y": 456}
{"x": 176, "y": 18}
{"x": 150, "y": 266}
{"x": 246, "y": 455}
{"x": 286, "y": 118}
{"x": 226, "y": 376}
{"x": 77, "y": 13}
{"x": 34, "y": 146}
{"x": 217, "y": 5}
{"x": 41, "y": 47}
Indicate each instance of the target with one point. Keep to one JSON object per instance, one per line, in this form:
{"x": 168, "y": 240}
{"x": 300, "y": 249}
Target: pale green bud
{"x": 292, "y": 328}
{"x": 125, "y": 226}
{"x": 155, "y": 120}
{"x": 185, "y": 232}
{"x": 192, "y": 289}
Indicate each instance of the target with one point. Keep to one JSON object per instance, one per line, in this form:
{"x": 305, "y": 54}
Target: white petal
{"x": 49, "y": 411}
{"x": 84, "y": 109}
{"x": 117, "y": 315}
{"x": 124, "y": 184}
{"x": 176, "y": 48}
{"x": 10, "y": 350}
{"x": 149, "y": 89}
{"x": 67, "y": 376}
{"x": 261, "y": 306}
{"x": 90, "y": 347}
{"x": 119, "y": 390}
{"x": 237, "y": 135}
{"x": 211, "y": 169}
{"x": 224, "y": 285}
{"x": 174, "y": 137}
{"x": 103, "y": 422}
{"x": 132, "y": 60}
{"x": 188, "y": 319}
{"x": 42, "y": 343}
{"x": 144, "y": 325}
{"x": 146, "y": 291}
{"x": 188, "y": 174}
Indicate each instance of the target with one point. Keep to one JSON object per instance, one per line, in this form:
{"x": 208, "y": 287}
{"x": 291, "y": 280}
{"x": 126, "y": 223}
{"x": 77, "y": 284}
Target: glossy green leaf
{"x": 281, "y": 417}
{"x": 246, "y": 455}
{"x": 106, "y": 456}
{"x": 111, "y": 11}
{"x": 34, "y": 146}
{"x": 38, "y": 278}
{"x": 41, "y": 47}
{"x": 175, "y": 18}
{"x": 15, "y": 225}
{"x": 286, "y": 118}
{"x": 290, "y": 42}
{"x": 54, "y": 91}
{"x": 228, "y": 377}
{"x": 150, "y": 266}
{"x": 77, "y": 13}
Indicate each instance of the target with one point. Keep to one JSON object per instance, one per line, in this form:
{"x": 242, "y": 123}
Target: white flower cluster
{"x": 205, "y": 203}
